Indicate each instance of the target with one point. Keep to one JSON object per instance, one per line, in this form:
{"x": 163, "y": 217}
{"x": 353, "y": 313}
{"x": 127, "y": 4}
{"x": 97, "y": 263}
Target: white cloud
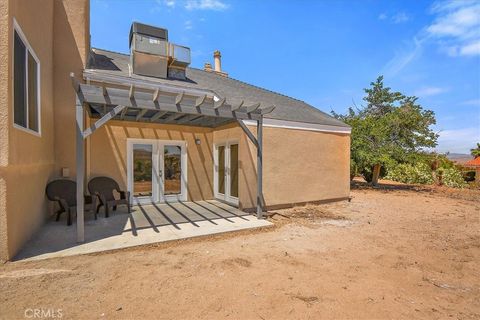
{"x": 455, "y": 30}
{"x": 457, "y": 27}
{"x": 458, "y": 140}
{"x": 217, "y": 5}
{"x": 170, "y": 3}
{"x": 399, "y": 17}
{"x": 382, "y": 16}
{"x": 403, "y": 58}
{"x": 188, "y": 25}
{"x": 473, "y": 102}
{"x": 471, "y": 48}
{"x": 430, "y": 91}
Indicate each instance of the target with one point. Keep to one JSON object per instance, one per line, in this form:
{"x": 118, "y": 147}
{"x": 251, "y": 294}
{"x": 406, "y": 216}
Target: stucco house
{"x": 164, "y": 130}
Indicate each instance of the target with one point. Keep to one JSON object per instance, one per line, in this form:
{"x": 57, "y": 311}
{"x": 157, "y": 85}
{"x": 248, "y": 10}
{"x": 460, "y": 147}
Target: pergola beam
{"x": 103, "y": 120}
{"x": 248, "y": 133}
{"x": 238, "y": 106}
{"x": 253, "y": 107}
{"x": 220, "y": 103}
{"x": 260, "y": 168}
{"x": 158, "y": 115}
{"x": 173, "y": 117}
{"x": 80, "y": 169}
{"x": 267, "y": 110}
{"x": 188, "y": 118}
{"x": 141, "y": 114}
{"x": 165, "y": 102}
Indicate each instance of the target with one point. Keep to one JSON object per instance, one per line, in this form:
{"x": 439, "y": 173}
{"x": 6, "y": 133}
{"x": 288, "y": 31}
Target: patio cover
{"x": 160, "y": 104}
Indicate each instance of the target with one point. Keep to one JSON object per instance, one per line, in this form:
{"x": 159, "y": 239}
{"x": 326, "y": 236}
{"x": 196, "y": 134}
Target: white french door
{"x": 226, "y": 171}
{"x": 156, "y": 170}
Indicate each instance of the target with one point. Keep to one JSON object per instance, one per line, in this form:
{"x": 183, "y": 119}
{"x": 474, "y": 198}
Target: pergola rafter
{"x": 159, "y": 105}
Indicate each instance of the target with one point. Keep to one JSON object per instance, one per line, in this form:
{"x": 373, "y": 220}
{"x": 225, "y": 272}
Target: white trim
{"x": 285, "y": 124}
{"x": 227, "y": 197}
{"x": 16, "y": 28}
{"x": 158, "y": 174}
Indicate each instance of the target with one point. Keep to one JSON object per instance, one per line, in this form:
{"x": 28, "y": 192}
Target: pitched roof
{"x": 287, "y": 108}
{"x": 473, "y": 163}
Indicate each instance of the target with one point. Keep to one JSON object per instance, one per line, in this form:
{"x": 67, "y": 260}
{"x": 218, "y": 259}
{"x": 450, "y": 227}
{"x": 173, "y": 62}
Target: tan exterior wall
{"x": 305, "y": 166}
{"x": 27, "y": 161}
{"x": 70, "y": 54}
{"x": 298, "y": 166}
{"x": 4, "y": 128}
{"x": 107, "y": 152}
{"x": 28, "y": 158}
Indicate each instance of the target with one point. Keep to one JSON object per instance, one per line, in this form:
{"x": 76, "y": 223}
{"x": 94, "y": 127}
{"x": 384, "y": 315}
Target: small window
{"x": 26, "y": 84}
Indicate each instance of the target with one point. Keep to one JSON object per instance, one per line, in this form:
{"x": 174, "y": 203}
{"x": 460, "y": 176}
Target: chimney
{"x": 208, "y": 67}
{"x": 217, "y": 57}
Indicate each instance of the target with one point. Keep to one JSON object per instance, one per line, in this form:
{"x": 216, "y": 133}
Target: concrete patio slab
{"x": 146, "y": 224}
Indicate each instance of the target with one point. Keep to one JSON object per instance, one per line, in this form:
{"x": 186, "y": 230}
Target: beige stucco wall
{"x": 298, "y": 166}
{"x": 70, "y": 53}
{"x": 27, "y": 161}
{"x": 28, "y": 158}
{"x": 4, "y": 129}
{"x": 107, "y": 152}
{"x": 305, "y": 166}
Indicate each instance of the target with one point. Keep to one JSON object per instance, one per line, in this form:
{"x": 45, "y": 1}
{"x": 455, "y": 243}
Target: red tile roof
{"x": 473, "y": 163}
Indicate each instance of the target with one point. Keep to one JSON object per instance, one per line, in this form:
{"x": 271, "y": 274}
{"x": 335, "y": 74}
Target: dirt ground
{"x": 396, "y": 252}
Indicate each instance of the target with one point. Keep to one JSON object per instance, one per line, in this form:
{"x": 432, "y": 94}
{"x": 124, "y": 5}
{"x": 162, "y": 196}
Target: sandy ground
{"x": 389, "y": 253}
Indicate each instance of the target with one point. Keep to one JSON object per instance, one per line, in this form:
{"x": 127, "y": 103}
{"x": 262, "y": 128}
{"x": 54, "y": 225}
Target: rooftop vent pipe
{"x": 217, "y": 58}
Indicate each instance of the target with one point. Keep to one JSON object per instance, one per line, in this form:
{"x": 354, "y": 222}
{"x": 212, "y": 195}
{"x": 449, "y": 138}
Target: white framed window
{"x": 26, "y": 84}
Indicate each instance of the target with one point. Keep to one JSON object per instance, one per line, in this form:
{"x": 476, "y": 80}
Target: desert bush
{"x": 469, "y": 176}
{"x": 452, "y": 177}
{"x": 419, "y": 173}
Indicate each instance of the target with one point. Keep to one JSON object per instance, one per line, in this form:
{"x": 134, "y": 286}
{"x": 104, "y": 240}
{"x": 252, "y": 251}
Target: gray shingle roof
{"x": 287, "y": 108}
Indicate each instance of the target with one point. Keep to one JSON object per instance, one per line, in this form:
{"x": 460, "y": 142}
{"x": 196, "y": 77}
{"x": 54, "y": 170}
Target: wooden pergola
{"x": 164, "y": 105}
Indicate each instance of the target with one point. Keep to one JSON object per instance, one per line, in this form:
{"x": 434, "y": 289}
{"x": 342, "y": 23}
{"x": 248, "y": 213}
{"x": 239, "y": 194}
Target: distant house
{"x": 474, "y": 164}
{"x": 167, "y": 131}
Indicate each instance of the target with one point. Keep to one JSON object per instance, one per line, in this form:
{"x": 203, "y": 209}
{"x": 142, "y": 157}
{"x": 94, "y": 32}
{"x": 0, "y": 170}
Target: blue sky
{"x": 326, "y": 52}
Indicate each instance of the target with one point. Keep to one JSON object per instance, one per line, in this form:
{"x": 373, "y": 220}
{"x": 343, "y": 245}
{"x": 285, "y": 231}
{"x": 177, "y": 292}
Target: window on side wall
{"x": 26, "y": 84}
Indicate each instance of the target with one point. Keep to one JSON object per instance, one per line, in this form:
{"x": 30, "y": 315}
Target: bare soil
{"x": 396, "y": 252}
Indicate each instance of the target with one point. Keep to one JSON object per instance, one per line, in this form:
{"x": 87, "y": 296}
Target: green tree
{"x": 475, "y": 152}
{"x": 390, "y": 128}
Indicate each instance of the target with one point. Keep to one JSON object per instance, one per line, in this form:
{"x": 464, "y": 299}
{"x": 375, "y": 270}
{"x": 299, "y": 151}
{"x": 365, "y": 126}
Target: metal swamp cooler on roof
{"x": 152, "y": 55}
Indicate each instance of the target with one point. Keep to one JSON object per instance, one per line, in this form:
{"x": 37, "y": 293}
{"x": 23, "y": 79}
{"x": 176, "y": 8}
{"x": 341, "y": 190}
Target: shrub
{"x": 407, "y": 173}
{"x": 469, "y": 176}
{"x": 452, "y": 177}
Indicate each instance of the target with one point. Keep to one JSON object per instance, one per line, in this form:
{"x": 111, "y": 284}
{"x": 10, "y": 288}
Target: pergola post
{"x": 80, "y": 170}
{"x": 260, "y": 168}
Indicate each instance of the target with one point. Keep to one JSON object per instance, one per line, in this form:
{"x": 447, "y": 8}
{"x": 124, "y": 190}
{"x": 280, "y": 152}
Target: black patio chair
{"x": 103, "y": 187}
{"x": 64, "y": 192}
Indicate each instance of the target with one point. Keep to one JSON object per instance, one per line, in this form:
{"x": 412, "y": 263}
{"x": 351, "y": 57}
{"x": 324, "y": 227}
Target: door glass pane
{"x": 19, "y": 83}
{"x": 234, "y": 170}
{"x": 221, "y": 169}
{"x": 32, "y": 93}
{"x": 142, "y": 170}
{"x": 172, "y": 169}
